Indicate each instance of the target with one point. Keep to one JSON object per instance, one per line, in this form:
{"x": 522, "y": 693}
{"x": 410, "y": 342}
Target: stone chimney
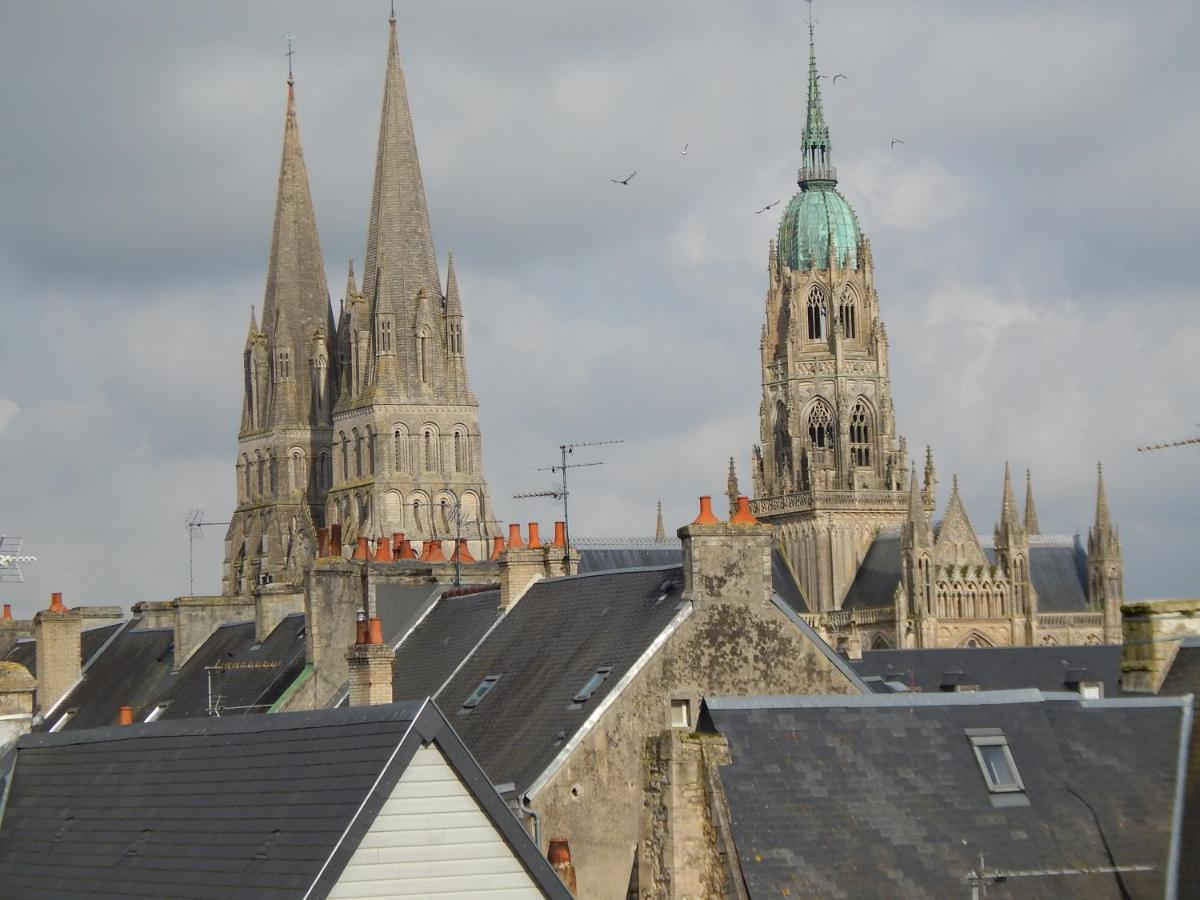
{"x": 559, "y": 856}
{"x": 56, "y": 631}
{"x": 520, "y": 566}
{"x": 370, "y": 664}
{"x": 727, "y": 562}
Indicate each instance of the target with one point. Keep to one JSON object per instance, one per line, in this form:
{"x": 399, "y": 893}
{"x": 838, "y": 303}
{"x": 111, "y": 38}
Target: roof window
{"x": 594, "y": 681}
{"x": 996, "y": 761}
{"x": 477, "y": 695}
{"x": 62, "y": 721}
{"x": 155, "y": 713}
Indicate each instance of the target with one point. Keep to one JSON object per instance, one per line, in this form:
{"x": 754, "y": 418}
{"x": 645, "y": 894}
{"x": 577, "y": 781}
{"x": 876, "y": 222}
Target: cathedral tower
{"x": 829, "y": 471}
{"x": 406, "y": 443}
{"x": 284, "y": 462}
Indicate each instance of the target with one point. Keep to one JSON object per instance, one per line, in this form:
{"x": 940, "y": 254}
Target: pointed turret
{"x": 351, "y": 284}
{"x": 660, "y": 533}
{"x": 930, "y": 475}
{"x": 1031, "y": 519}
{"x": 731, "y": 488}
{"x": 1103, "y": 519}
{"x": 817, "y": 167}
{"x": 1106, "y": 569}
{"x": 400, "y": 258}
{"x": 916, "y": 531}
{"x": 1010, "y": 527}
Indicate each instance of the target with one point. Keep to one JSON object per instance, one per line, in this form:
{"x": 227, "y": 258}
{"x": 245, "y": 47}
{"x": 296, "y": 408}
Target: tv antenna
{"x": 195, "y": 529}
{"x": 1167, "y": 445}
{"x": 11, "y": 559}
{"x": 561, "y": 493}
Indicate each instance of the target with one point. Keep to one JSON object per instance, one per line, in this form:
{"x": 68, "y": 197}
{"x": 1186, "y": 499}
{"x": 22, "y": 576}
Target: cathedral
{"x": 834, "y": 477}
{"x": 367, "y": 423}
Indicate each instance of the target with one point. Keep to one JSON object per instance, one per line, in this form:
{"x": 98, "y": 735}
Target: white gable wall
{"x": 433, "y": 839}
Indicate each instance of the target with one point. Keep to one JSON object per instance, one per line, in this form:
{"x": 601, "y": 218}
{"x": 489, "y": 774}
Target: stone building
{"x": 832, "y": 473}
{"x": 369, "y": 423}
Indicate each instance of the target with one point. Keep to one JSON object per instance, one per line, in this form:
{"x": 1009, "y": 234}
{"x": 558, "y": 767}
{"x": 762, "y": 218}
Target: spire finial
{"x": 816, "y": 165}
{"x": 392, "y": 14}
{"x": 291, "y": 51}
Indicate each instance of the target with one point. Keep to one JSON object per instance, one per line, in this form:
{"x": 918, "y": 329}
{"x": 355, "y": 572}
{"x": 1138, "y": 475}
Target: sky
{"x": 1034, "y": 240}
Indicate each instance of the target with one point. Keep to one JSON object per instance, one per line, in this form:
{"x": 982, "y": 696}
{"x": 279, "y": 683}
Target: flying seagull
{"x": 625, "y": 181}
{"x": 895, "y": 141}
{"x": 682, "y": 152}
{"x": 768, "y": 206}
{"x": 836, "y": 77}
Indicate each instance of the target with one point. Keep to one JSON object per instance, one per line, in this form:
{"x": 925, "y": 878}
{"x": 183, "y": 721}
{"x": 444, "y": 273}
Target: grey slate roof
{"x": 445, "y": 636}
{"x": 399, "y": 606}
{"x": 90, "y": 641}
{"x": 996, "y": 668}
{"x": 544, "y": 650}
{"x": 1057, "y": 567}
{"x": 881, "y": 796}
{"x": 220, "y": 807}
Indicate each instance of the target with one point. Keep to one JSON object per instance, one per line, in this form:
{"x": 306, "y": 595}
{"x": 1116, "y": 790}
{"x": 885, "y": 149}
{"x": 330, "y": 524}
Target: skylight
{"x": 995, "y": 760}
{"x": 480, "y": 692}
{"x": 594, "y": 681}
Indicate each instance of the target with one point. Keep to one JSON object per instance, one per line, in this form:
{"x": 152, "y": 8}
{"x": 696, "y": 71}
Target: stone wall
{"x": 1151, "y": 628}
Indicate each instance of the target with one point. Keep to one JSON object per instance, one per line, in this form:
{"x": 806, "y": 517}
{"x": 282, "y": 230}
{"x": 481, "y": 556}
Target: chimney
{"x": 126, "y": 715}
{"x": 397, "y": 545}
{"x": 56, "y": 631}
{"x": 433, "y": 551}
{"x": 370, "y": 661}
{"x": 322, "y": 543}
{"x": 335, "y": 539}
{"x": 535, "y": 539}
{"x": 462, "y": 553}
{"x": 7, "y": 617}
{"x": 363, "y": 551}
{"x": 520, "y": 566}
{"x": 727, "y": 562}
{"x": 497, "y": 549}
{"x": 559, "y": 856}
{"x": 383, "y": 550}
{"x": 560, "y": 561}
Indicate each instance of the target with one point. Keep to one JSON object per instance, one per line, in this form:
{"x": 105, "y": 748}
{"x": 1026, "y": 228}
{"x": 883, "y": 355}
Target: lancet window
{"x": 820, "y": 426}
{"x": 816, "y": 313}
{"x": 860, "y": 435}
{"x": 848, "y": 312}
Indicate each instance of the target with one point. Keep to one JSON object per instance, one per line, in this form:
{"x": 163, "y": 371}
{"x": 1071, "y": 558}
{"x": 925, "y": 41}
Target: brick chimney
{"x": 370, "y": 667}
{"x": 56, "y": 631}
{"x": 727, "y": 562}
{"x": 520, "y": 566}
{"x": 559, "y": 856}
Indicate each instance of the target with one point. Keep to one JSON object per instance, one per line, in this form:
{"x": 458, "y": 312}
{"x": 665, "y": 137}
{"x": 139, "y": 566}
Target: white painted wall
{"x": 432, "y": 839}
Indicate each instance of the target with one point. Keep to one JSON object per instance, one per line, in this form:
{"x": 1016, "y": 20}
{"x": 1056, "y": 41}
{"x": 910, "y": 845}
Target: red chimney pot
{"x": 743, "y": 516}
{"x": 706, "y": 516}
{"x": 335, "y": 539}
{"x": 322, "y": 542}
{"x": 535, "y": 539}
{"x": 560, "y": 535}
{"x": 375, "y": 631}
{"x": 435, "y": 553}
{"x": 514, "y": 537}
{"x": 559, "y": 857}
{"x": 7, "y": 612}
{"x": 383, "y": 550}
{"x": 126, "y": 715}
{"x": 462, "y": 553}
{"x": 363, "y": 550}
{"x": 497, "y": 547}
{"x": 56, "y": 604}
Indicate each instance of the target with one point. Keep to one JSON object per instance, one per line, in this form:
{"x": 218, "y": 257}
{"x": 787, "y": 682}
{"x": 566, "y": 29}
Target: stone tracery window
{"x": 358, "y": 454}
{"x": 860, "y": 435}
{"x": 816, "y": 313}
{"x": 848, "y": 312}
{"x": 820, "y": 426}
{"x": 400, "y": 448}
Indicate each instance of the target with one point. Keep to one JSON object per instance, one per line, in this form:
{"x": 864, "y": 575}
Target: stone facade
{"x": 831, "y": 470}
{"x": 1153, "y": 631}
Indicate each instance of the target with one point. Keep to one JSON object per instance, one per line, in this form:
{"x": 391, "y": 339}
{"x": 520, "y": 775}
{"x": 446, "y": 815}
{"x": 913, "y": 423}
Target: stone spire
{"x": 1031, "y": 519}
{"x": 916, "y": 529}
{"x": 351, "y": 284}
{"x": 1103, "y": 519}
{"x": 817, "y": 164}
{"x": 1010, "y": 526}
{"x": 660, "y": 533}
{"x": 1106, "y": 569}
{"x": 400, "y": 258}
{"x": 930, "y": 473}
{"x": 731, "y": 488}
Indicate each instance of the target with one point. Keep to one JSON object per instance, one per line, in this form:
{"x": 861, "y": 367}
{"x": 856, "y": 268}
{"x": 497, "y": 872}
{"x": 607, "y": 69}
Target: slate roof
{"x": 218, "y": 807}
{"x": 399, "y": 606}
{"x": 256, "y": 675}
{"x": 875, "y": 796}
{"x": 1184, "y": 678}
{"x": 996, "y": 668}
{"x": 90, "y": 641}
{"x": 442, "y": 640}
{"x": 1057, "y": 567}
{"x": 544, "y": 650}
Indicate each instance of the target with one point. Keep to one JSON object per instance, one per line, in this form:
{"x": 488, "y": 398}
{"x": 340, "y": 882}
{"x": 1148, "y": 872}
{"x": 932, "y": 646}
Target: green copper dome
{"x": 816, "y": 217}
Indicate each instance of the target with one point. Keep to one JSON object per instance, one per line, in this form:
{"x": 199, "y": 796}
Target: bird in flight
{"x": 836, "y": 77}
{"x": 625, "y": 181}
{"x": 768, "y": 206}
{"x": 682, "y": 152}
{"x": 896, "y": 141}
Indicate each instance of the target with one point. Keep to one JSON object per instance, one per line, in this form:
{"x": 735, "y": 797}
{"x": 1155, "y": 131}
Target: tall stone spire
{"x": 916, "y": 529}
{"x": 400, "y": 258}
{"x": 1103, "y": 519}
{"x": 1106, "y": 568}
{"x": 731, "y": 488}
{"x": 1010, "y": 521}
{"x": 660, "y": 533}
{"x": 1031, "y": 519}
{"x": 817, "y": 164}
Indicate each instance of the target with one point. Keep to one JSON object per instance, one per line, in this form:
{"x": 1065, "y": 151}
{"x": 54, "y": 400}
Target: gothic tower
{"x": 283, "y": 464}
{"x": 406, "y": 443}
{"x": 829, "y": 471}
{"x": 1106, "y": 571}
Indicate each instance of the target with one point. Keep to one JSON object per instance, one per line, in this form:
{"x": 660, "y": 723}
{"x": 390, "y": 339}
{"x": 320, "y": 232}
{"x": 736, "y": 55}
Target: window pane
{"x": 998, "y": 770}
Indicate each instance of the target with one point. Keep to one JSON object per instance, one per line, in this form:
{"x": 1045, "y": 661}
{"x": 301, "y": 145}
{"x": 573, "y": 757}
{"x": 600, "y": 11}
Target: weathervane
{"x": 291, "y": 39}
{"x": 11, "y": 559}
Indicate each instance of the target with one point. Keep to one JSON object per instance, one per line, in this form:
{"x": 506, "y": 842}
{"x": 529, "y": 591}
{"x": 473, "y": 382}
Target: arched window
{"x": 400, "y": 448}
{"x": 460, "y": 451}
{"x": 247, "y": 477}
{"x": 848, "y": 312}
{"x": 326, "y": 470}
{"x": 423, "y": 356}
{"x": 816, "y": 313}
{"x": 261, "y": 466}
{"x": 370, "y": 439}
{"x": 345, "y": 456}
{"x": 298, "y": 479}
{"x": 820, "y": 426}
{"x": 860, "y": 435}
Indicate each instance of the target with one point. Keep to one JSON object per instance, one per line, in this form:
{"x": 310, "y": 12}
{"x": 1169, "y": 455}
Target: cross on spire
{"x": 291, "y": 51}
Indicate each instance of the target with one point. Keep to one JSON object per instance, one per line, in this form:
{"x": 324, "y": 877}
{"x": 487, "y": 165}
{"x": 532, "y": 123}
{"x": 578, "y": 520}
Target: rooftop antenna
{"x": 11, "y": 559}
{"x": 560, "y": 493}
{"x": 195, "y": 529}
{"x": 291, "y": 39}
{"x": 1169, "y": 444}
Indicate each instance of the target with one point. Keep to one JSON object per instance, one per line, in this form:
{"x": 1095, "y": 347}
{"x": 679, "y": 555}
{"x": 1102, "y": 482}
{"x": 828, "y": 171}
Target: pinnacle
{"x": 1103, "y": 520}
{"x": 1031, "y": 519}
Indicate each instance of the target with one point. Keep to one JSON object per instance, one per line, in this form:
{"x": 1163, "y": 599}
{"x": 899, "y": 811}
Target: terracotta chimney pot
{"x": 56, "y": 604}
{"x": 514, "y": 537}
{"x": 363, "y": 550}
{"x": 126, "y": 715}
{"x": 559, "y": 857}
{"x": 497, "y": 547}
{"x": 706, "y": 516}
{"x": 322, "y": 542}
{"x": 374, "y": 631}
{"x": 397, "y": 544}
{"x": 383, "y": 550}
{"x": 462, "y": 553}
{"x": 335, "y": 540}
{"x": 743, "y": 516}
{"x": 535, "y": 539}
{"x": 560, "y": 536}
{"x": 406, "y": 550}
{"x": 7, "y": 612}
{"x": 435, "y": 551}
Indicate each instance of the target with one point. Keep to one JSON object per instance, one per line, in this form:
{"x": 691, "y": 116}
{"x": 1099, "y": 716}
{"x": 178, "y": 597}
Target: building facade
{"x": 832, "y": 473}
{"x": 368, "y": 423}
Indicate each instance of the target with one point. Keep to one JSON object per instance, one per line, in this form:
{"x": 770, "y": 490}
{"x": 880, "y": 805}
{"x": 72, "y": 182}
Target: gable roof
{"x": 996, "y": 668}
{"x": 274, "y": 806}
{"x": 544, "y": 650}
{"x": 441, "y": 641}
{"x": 882, "y": 795}
{"x": 91, "y": 641}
